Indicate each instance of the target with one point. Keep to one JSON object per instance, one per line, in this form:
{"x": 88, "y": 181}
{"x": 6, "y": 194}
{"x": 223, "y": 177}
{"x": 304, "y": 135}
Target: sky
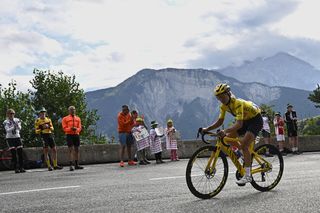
{"x": 104, "y": 42}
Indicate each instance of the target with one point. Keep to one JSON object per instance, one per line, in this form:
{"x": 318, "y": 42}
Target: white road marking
{"x": 177, "y": 177}
{"x": 167, "y": 178}
{"x": 38, "y": 190}
{"x": 37, "y": 170}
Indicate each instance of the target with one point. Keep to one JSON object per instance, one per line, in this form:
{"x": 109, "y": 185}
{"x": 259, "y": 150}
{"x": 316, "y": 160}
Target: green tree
{"x": 56, "y": 92}
{"x": 21, "y": 103}
{"x": 315, "y": 96}
{"x": 309, "y": 126}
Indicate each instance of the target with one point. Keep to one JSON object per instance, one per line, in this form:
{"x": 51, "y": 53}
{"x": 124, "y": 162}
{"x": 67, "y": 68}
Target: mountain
{"x": 281, "y": 69}
{"x": 186, "y": 96}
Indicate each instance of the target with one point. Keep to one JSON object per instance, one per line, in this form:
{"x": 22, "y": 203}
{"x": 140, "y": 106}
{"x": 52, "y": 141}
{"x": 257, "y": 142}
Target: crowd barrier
{"x": 108, "y": 153}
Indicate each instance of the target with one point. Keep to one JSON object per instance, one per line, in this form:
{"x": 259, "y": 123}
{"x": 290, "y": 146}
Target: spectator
{"x": 266, "y": 131}
{"x": 44, "y": 128}
{"x": 171, "y": 141}
{"x": 142, "y": 141}
{"x": 125, "y": 125}
{"x": 12, "y": 126}
{"x": 134, "y": 115}
{"x": 71, "y": 125}
{"x": 155, "y": 143}
{"x": 292, "y": 128}
{"x": 279, "y": 130}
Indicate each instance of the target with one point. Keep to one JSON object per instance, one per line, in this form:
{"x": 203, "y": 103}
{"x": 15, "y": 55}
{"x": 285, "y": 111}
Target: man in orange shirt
{"x": 125, "y": 125}
{"x": 71, "y": 125}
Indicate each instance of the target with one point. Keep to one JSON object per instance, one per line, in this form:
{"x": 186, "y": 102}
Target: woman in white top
{"x": 12, "y": 126}
{"x": 266, "y": 131}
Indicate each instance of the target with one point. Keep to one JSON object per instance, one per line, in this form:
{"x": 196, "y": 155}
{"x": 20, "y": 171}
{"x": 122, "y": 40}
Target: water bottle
{"x": 236, "y": 151}
{"x": 257, "y": 140}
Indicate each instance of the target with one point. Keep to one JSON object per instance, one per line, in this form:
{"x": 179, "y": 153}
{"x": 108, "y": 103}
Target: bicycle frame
{"x": 226, "y": 148}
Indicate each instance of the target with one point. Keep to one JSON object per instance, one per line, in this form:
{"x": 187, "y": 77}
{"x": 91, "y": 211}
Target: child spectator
{"x": 171, "y": 141}
{"x": 279, "y": 130}
{"x": 142, "y": 141}
{"x": 155, "y": 143}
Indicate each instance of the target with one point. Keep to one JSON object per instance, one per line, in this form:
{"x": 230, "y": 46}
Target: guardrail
{"x": 107, "y": 153}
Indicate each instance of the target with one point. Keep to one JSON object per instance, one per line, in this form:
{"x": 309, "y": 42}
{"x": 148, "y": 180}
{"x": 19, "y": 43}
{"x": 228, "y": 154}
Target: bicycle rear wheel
{"x": 205, "y": 183}
{"x": 6, "y": 159}
{"x": 265, "y": 181}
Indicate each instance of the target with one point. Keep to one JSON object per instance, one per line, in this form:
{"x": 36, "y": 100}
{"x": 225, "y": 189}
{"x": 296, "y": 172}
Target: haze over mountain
{"x": 185, "y": 95}
{"x": 281, "y": 69}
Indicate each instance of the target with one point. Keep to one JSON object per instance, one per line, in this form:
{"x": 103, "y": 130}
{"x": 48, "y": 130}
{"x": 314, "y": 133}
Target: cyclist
{"x": 44, "y": 128}
{"x": 248, "y": 123}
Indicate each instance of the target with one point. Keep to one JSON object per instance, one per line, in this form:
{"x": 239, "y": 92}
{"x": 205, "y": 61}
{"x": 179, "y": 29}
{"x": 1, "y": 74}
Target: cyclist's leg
{"x": 233, "y": 143}
{"x": 247, "y": 139}
{"x": 251, "y": 128}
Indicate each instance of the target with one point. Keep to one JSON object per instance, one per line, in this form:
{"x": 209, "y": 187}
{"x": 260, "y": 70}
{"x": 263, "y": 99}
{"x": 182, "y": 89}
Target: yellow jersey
{"x": 240, "y": 109}
{"x": 43, "y": 126}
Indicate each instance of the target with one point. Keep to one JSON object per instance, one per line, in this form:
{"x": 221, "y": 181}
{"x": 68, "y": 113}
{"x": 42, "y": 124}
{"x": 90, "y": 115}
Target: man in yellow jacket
{"x": 44, "y": 128}
{"x": 71, "y": 125}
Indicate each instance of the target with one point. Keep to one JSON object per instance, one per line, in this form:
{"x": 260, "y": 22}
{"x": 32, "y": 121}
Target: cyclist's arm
{"x": 215, "y": 125}
{"x": 218, "y": 122}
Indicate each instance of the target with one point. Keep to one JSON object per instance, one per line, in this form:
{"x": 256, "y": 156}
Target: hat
{"x": 278, "y": 113}
{"x": 289, "y": 105}
{"x": 170, "y": 121}
{"x": 154, "y": 123}
{"x": 139, "y": 119}
{"x": 42, "y": 110}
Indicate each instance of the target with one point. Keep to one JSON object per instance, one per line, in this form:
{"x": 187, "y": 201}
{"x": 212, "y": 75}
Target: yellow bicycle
{"x": 207, "y": 169}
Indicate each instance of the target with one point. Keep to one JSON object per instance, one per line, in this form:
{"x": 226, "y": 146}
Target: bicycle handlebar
{"x": 212, "y": 134}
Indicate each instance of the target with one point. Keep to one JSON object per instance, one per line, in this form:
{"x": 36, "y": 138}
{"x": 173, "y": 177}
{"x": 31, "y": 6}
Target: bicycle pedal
{"x": 241, "y": 184}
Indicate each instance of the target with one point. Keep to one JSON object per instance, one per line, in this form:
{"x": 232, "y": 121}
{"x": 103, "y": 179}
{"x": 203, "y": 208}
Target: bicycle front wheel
{"x": 202, "y": 182}
{"x": 271, "y": 170}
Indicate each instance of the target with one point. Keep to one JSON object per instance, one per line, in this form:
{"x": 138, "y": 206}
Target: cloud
{"x": 103, "y": 42}
{"x": 258, "y": 44}
{"x": 257, "y": 14}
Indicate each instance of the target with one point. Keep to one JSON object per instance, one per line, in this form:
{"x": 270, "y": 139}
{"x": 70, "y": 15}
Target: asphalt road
{"x": 155, "y": 188}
